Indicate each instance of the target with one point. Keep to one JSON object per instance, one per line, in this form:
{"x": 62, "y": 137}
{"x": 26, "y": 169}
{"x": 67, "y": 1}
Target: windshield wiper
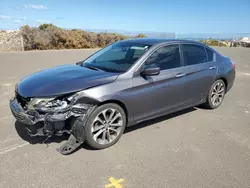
{"x": 92, "y": 67}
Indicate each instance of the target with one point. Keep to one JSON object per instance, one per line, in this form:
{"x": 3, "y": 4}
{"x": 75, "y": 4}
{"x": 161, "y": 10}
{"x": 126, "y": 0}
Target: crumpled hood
{"x": 62, "y": 80}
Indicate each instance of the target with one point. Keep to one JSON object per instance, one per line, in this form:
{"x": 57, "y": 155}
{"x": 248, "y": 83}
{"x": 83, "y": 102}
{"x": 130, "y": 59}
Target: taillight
{"x": 233, "y": 64}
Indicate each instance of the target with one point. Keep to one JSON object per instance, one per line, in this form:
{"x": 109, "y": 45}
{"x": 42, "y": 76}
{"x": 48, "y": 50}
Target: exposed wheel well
{"x": 118, "y": 103}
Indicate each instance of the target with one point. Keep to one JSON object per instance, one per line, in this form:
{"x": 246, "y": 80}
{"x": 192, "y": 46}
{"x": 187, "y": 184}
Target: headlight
{"x": 48, "y": 104}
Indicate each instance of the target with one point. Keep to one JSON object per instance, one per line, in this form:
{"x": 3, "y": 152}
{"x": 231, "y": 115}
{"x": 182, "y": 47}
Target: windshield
{"x": 118, "y": 57}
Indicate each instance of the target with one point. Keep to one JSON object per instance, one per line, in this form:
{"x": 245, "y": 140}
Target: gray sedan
{"x": 121, "y": 85}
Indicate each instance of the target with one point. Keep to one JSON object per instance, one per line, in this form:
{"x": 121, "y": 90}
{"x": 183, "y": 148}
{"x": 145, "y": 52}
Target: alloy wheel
{"x": 217, "y": 94}
{"x": 106, "y": 126}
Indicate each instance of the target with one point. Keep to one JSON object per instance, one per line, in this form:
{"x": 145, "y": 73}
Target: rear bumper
{"x": 230, "y": 79}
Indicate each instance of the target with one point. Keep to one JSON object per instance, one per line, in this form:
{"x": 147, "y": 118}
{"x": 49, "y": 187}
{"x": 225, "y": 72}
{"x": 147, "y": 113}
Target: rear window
{"x": 210, "y": 55}
{"x": 194, "y": 54}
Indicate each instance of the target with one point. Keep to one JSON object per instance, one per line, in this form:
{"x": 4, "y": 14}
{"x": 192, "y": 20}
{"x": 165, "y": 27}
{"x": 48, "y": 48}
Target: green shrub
{"x": 212, "y": 42}
{"x": 140, "y": 35}
{"x": 49, "y": 36}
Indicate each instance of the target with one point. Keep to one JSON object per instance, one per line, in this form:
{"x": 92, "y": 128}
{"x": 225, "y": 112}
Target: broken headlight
{"x": 48, "y": 104}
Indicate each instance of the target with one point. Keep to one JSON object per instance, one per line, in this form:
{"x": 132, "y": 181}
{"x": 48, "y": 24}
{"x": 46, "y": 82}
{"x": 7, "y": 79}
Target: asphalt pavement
{"x": 192, "y": 148}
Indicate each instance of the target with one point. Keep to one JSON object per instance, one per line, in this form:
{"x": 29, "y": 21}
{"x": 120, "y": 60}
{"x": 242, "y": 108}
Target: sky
{"x": 178, "y": 16}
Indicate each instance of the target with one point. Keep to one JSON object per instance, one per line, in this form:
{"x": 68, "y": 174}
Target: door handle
{"x": 180, "y": 75}
{"x": 212, "y": 67}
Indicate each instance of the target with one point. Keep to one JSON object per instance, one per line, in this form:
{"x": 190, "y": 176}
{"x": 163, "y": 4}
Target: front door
{"x": 161, "y": 93}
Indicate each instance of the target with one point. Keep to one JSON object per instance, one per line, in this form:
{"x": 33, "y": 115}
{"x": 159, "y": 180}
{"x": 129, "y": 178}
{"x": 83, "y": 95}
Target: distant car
{"x": 125, "y": 83}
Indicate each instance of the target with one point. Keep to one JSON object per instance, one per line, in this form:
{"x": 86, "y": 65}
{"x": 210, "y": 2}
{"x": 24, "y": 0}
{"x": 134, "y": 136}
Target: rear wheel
{"x": 216, "y": 94}
{"x": 105, "y": 126}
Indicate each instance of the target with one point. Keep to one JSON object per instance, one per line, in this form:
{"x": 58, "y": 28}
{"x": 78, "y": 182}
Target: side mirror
{"x": 151, "y": 71}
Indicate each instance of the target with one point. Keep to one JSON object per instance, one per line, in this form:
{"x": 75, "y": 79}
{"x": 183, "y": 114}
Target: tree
{"x": 45, "y": 26}
{"x": 140, "y": 35}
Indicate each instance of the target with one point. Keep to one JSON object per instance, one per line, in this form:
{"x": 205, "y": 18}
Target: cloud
{"x": 35, "y": 6}
{"x": 4, "y": 17}
{"x": 23, "y": 18}
{"x": 18, "y": 21}
{"x": 42, "y": 21}
{"x": 60, "y": 18}
{"x": 19, "y": 18}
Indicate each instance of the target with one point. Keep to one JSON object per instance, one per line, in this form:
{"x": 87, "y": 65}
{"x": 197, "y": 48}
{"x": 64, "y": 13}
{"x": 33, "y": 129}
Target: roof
{"x": 154, "y": 41}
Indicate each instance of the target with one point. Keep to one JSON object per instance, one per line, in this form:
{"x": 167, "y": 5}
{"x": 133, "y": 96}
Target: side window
{"x": 210, "y": 55}
{"x": 194, "y": 54}
{"x": 166, "y": 57}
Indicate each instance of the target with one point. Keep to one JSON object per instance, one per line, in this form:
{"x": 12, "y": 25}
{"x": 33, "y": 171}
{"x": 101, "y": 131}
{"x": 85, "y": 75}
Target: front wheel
{"x": 216, "y": 94}
{"x": 105, "y": 126}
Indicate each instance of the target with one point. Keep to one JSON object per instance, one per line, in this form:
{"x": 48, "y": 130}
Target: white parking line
{"x": 13, "y": 147}
{"x": 7, "y": 85}
{"x": 245, "y": 73}
{"x": 242, "y": 74}
{"x": 12, "y": 77}
{"x": 10, "y": 139}
{"x": 5, "y": 117}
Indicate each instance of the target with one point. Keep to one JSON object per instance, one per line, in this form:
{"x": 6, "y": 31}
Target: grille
{"x": 22, "y": 100}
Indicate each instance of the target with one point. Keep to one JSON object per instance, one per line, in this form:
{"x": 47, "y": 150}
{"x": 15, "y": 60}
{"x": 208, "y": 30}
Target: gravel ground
{"x": 192, "y": 148}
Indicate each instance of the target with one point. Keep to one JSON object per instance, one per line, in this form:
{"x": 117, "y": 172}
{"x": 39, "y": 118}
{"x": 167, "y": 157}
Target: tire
{"x": 219, "y": 88}
{"x": 96, "y": 121}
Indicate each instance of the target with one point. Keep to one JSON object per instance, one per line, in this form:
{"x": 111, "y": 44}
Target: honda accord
{"x": 125, "y": 83}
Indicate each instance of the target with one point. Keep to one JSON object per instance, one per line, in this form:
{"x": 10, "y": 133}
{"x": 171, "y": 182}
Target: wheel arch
{"x": 224, "y": 80}
{"x": 121, "y": 104}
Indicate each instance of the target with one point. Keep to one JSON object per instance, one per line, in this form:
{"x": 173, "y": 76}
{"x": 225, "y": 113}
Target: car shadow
{"x": 23, "y": 133}
{"x": 159, "y": 119}
{"x": 149, "y": 123}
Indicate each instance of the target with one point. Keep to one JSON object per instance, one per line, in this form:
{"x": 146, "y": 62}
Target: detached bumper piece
{"x": 70, "y": 146}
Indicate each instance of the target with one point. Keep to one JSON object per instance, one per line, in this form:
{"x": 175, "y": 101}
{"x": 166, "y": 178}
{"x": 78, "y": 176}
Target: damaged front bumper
{"x": 22, "y": 116}
{"x": 54, "y": 123}
{"x": 31, "y": 117}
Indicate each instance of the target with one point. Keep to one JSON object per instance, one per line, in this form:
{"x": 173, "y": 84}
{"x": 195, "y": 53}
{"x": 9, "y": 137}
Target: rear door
{"x": 161, "y": 93}
{"x": 200, "y": 71}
